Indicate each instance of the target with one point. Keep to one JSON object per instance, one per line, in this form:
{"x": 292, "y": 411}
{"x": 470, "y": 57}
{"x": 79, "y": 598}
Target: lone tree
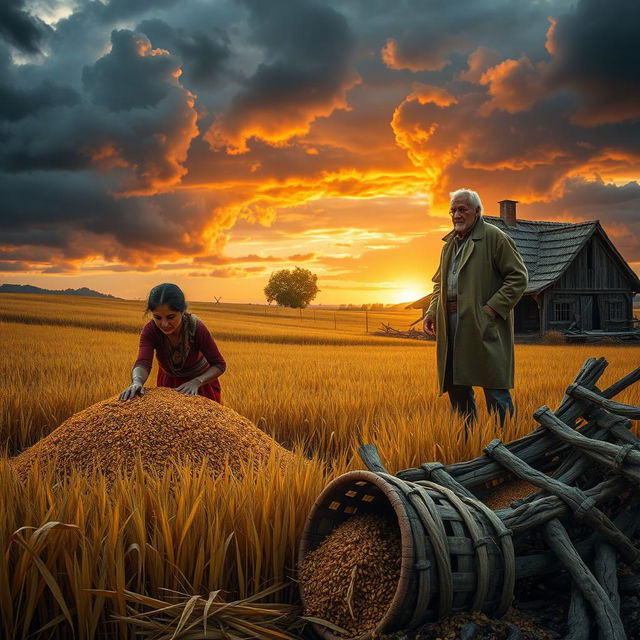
{"x": 295, "y": 288}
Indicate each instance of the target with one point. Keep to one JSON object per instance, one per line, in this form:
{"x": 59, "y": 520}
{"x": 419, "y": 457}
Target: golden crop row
{"x": 240, "y": 322}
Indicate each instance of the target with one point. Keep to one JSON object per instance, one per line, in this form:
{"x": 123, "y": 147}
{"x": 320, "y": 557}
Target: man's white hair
{"x": 472, "y": 196}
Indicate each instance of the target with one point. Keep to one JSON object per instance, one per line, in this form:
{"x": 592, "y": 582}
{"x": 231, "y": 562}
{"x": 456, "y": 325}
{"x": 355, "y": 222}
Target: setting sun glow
{"x": 409, "y": 294}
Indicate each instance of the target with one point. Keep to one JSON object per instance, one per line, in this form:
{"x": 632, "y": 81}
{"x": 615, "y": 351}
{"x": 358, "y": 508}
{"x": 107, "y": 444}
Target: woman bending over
{"x": 189, "y": 359}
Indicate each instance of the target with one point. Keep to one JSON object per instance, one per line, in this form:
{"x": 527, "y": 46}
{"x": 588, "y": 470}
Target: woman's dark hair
{"x": 169, "y": 294}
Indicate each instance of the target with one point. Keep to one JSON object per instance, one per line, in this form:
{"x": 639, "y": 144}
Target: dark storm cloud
{"x": 131, "y": 76}
{"x": 74, "y": 213}
{"x": 307, "y": 68}
{"x": 598, "y": 200}
{"x": 99, "y": 16}
{"x": 136, "y": 132}
{"x": 429, "y": 35}
{"x": 596, "y": 53}
{"x": 19, "y": 28}
{"x": 18, "y": 102}
{"x": 121, "y": 9}
{"x": 202, "y": 54}
{"x": 81, "y": 37}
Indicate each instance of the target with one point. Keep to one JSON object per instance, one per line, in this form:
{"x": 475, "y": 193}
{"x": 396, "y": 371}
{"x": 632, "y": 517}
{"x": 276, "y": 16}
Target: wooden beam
{"x": 578, "y": 625}
{"x": 582, "y": 506}
{"x": 627, "y": 410}
{"x": 607, "y": 618}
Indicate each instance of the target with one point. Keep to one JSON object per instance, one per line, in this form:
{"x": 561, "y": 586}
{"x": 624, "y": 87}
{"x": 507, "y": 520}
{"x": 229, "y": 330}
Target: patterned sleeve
{"x": 146, "y": 348}
{"x": 205, "y": 342}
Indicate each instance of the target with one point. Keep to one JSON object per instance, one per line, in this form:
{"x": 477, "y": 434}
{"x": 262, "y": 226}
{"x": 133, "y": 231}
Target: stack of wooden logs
{"x": 388, "y": 331}
{"x": 585, "y": 462}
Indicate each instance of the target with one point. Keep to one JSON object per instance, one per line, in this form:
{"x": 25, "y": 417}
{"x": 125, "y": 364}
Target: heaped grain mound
{"x": 350, "y": 579}
{"x": 162, "y": 426}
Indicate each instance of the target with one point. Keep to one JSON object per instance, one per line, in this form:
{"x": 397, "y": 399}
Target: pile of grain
{"x": 350, "y": 579}
{"x": 162, "y": 426}
{"x": 509, "y": 492}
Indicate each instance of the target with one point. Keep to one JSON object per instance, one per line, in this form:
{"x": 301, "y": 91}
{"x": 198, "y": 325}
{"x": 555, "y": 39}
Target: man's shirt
{"x": 454, "y": 266}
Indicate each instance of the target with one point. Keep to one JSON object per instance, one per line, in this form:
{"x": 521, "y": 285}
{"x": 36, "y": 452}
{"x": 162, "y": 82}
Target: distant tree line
{"x": 375, "y": 306}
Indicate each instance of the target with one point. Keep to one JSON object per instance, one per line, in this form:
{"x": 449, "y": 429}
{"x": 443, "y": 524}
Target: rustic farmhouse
{"x": 577, "y": 278}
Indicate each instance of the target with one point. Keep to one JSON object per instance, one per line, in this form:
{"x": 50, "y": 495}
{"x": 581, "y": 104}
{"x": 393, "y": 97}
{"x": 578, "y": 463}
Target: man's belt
{"x": 452, "y": 306}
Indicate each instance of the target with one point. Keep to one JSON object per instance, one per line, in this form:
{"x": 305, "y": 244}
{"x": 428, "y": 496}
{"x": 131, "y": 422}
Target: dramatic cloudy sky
{"x": 210, "y": 142}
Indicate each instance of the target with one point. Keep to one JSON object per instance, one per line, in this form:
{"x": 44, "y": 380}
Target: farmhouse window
{"x": 615, "y": 310}
{"x": 563, "y": 310}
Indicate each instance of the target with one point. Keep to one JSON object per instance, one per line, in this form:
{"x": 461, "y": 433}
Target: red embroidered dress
{"x": 195, "y": 353}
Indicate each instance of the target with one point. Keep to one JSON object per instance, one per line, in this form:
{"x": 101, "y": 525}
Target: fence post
{"x": 366, "y": 320}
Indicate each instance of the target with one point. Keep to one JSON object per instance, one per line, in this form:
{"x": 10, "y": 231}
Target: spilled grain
{"x": 350, "y": 579}
{"x": 505, "y": 494}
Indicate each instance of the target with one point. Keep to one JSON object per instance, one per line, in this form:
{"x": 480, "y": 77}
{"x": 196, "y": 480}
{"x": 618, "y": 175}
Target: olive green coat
{"x": 491, "y": 272}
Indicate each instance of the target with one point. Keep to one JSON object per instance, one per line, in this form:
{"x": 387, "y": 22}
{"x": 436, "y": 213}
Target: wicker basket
{"x": 456, "y": 554}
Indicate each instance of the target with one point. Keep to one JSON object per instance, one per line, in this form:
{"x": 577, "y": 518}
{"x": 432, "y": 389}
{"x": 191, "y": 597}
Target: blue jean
{"x": 462, "y": 397}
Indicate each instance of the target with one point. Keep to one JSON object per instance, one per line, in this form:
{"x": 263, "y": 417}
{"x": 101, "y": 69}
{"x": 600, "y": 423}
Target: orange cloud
{"x": 514, "y": 85}
{"x": 258, "y": 201}
{"x": 419, "y": 138}
{"x": 413, "y": 55}
{"x": 550, "y": 43}
{"x": 223, "y": 260}
{"x": 389, "y": 54}
{"x": 478, "y": 62}
{"x": 454, "y": 149}
{"x": 274, "y": 123}
{"x": 426, "y": 93}
{"x": 236, "y": 272}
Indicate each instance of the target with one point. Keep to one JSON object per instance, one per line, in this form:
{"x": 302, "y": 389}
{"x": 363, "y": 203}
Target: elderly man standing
{"x": 480, "y": 279}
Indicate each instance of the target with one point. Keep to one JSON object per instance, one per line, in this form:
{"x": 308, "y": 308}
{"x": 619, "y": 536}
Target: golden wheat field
{"x": 313, "y": 380}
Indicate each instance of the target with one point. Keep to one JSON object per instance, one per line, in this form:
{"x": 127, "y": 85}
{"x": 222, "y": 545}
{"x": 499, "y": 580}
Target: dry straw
{"x": 185, "y": 617}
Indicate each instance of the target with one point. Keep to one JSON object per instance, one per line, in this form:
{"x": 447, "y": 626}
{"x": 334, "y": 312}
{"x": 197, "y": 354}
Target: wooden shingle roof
{"x": 547, "y": 248}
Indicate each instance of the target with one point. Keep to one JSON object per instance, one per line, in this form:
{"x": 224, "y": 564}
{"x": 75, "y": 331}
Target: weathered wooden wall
{"x": 594, "y": 268}
{"x": 595, "y": 292}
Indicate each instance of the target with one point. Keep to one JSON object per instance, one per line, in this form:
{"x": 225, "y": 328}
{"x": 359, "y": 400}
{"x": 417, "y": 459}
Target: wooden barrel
{"x": 456, "y": 555}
